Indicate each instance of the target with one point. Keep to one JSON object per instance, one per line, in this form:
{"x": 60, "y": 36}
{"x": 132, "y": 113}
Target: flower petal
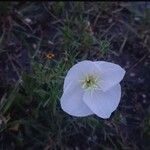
{"x": 103, "y": 103}
{"x": 111, "y": 74}
{"x": 78, "y": 71}
{"x": 72, "y": 102}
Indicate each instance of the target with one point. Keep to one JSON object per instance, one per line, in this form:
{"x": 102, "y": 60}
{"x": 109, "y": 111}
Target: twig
{"x": 52, "y": 14}
{"x": 111, "y": 38}
{"x": 38, "y": 48}
{"x": 3, "y": 99}
{"x": 96, "y": 19}
{"x": 108, "y": 29}
{"x": 127, "y": 25}
{"x": 123, "y": 44}
{"x": 2, "y": 37}
{"x": 131, "y": 29}
{"x": 137, "y": 63}
{"x": 117, "y": 10}
{"x": 15, "y": 69}
{"x": 113, "y": 52}
{"x": 143, "y": 43}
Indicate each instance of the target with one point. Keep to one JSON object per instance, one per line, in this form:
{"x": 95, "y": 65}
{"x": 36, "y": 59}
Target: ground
{"x": 40, "y": 41}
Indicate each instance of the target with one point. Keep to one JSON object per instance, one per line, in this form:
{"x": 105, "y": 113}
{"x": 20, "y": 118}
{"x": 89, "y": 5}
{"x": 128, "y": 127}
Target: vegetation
{"x": 40, "y": 41}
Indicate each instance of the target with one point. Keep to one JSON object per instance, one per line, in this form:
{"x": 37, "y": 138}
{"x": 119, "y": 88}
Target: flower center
{"x": 90, "y": 82}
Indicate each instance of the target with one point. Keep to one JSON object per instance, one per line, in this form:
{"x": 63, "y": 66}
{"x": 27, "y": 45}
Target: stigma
{"x": 90, "y": 82}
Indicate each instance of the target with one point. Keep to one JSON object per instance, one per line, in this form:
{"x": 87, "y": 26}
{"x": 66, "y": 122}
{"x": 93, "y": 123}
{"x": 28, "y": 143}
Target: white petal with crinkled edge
{"x": 78, "y": 72}
{"x": 72, "y": 102}
{"x": 103, "y": 103}
{"x": 111, "y": 74}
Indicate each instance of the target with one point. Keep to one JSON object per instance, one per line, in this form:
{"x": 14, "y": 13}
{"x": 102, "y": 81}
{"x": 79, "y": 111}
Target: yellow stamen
{"x": 90, "y": 82}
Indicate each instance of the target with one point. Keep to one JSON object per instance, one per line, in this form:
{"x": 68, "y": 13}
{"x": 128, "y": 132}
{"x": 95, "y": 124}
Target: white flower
{"x": 92, "y": 88}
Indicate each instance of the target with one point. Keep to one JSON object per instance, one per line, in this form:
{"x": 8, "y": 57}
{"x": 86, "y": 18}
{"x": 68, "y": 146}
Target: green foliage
{"x": 104, "y": 46}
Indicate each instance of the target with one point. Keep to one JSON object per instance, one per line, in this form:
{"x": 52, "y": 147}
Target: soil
{"x": 133, "y": 55}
